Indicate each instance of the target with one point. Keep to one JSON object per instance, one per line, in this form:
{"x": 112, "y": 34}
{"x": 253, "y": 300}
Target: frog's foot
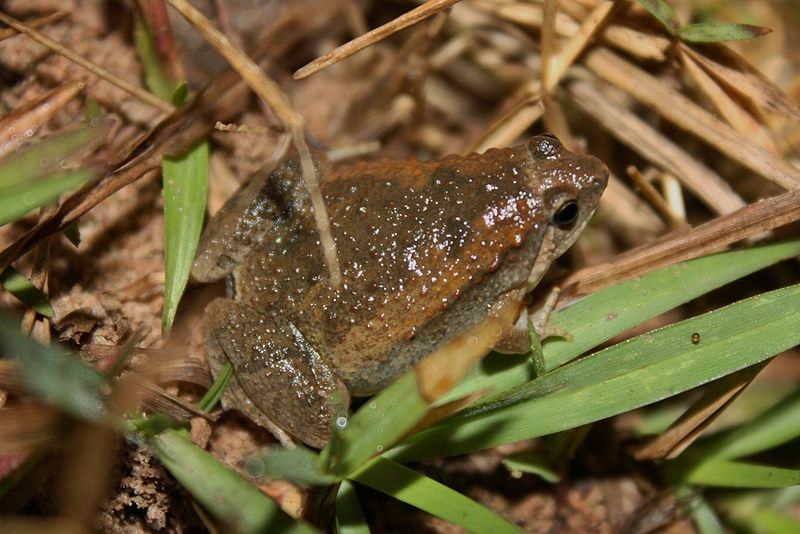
{"x": 516, "y": 339}
{"x": 279, "y": 381}
{"x": 540, "y": 319}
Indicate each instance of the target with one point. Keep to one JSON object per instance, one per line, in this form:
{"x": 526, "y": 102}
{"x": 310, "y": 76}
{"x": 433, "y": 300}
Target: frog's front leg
{"x": 515, "y": 338}
{"x": 279, "y": 380}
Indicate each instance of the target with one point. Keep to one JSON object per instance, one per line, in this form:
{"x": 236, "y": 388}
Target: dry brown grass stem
{"x": 656, "y": 200}
{"x": 36, "y": 23}
{"x": 655, "y": 147}
{"x": 678, "y": 109}
{"x": 681, "y": 245}
{"x": 223, "y": 98}
{"x": 97, "y": 70}
{"x": 729, "y": 108}
{"x": 691, "y": 424}
{"x": 557, "y": 66}
{"x": 18, "y": 126}
{"x": 428, "y": 9}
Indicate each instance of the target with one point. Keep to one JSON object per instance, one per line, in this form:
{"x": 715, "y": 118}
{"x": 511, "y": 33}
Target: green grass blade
{"x": 413, "y": 488}
{"x": 24, "y": 290}
{"x": 237, "y": 504}
{"x": 55, "y": 375}
{"x": 349, "y": 515}
{"x": 630, "y": 303}
{"x": 217, "y": 389}
{"x": 533, "y": 464}
{"x": 298, "y": 465}
{"x": 733, "y": 474}
{"x": 766, "y": 522}
{"x": 702, "y": 513}
{"x": 375, "y": 427}
{"x": 19, "y": 199}
{"x": 185, "y": 190}
{"x": 48, "y": 156}
{"x": 154, "y": 77}
{"x": 778, "y": 425}
{"x": 662, "y": 12}
{"x": 607, "y": 313}
{"x": 185, "y": 185}
{"x": 637, "y": 372}
{"x": 719, "y": 32}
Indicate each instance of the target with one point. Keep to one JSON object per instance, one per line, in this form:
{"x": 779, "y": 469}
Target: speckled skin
{"x": 426, "y": 249}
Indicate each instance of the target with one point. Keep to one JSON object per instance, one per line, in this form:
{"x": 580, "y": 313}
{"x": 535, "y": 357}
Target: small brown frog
{"x": 427, "y": 251}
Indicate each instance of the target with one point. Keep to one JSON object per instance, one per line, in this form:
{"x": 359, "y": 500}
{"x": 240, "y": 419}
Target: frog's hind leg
{"x": 280, "y": 381}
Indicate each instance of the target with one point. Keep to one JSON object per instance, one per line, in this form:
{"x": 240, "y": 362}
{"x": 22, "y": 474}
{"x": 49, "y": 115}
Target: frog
{"x": 427, "y": 250}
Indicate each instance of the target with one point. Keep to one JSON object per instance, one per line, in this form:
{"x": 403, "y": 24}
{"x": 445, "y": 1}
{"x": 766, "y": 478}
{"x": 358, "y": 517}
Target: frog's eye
{"x": 566, "y": 214}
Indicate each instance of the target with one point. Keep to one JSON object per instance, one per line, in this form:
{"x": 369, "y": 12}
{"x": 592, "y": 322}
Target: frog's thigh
{"x": 279, "y": 378}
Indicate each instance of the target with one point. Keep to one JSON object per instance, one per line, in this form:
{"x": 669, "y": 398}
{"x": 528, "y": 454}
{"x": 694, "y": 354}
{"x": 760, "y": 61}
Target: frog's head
{"x": 570, "y": 186}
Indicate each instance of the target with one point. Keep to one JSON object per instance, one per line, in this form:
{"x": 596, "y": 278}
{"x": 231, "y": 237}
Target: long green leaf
{"x": 55, "y": 375}
{"x": 413, "y": 488}
{"x": 733, "y": 474}
{"x": 185, "y": 190}
{"x": 628, "y": 375}
{"x": 19, "y": 199}
{"x": 185, "y": 185}
{"x": 612, "y": 311}
{"x": 630, "y": 303}
{"x": 240, "y": 506}
{"x": 766, "y": 522}
{"x": 718, "y": 32}
{"x": 349, "y": 515}
{"x": 705, "y": 516}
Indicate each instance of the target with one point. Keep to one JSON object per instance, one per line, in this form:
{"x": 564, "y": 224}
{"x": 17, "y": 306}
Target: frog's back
{"x": 420, "y": 247}
{"x": 425, "y": 249}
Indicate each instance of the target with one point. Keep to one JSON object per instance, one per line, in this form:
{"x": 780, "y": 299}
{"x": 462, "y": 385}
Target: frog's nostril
{"x": 566, "y": 215}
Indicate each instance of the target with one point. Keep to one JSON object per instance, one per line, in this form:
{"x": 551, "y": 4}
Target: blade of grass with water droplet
{"x": 631, "y": 374}
{"x": 378, "y": 424}
{"x": 45, "y": 158}
{"x": 416, "y": 489}
{"x": 534, "y": 464}
{"x": 299, "y": 465}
